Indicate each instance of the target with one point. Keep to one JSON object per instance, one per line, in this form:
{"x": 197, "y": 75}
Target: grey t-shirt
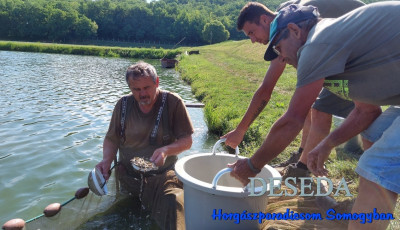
{"x": 358, "y": 54}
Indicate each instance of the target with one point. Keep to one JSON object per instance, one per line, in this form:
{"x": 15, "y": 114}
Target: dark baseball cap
{"x": 293, "y": 13}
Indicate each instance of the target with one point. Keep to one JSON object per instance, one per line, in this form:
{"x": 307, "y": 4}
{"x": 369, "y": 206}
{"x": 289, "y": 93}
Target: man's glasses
{"x": 284, "y": 35}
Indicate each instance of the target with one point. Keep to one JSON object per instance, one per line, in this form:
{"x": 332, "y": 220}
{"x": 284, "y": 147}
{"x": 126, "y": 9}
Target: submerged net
{"x": 125, "y": 214}
{"x": 76, "y": 212}
{"x": 116, "y": 210}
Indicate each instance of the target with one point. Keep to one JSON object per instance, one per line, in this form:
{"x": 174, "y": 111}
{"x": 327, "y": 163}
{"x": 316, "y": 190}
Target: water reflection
{"x": 54, "y": 114}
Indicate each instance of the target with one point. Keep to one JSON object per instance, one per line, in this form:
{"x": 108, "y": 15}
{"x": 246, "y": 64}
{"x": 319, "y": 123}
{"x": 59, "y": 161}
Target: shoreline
{"x": 90, "y": 50}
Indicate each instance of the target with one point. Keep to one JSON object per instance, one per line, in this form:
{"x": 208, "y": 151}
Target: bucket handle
{"x": 218, "y": 176}
{"x": 219, "y": 142}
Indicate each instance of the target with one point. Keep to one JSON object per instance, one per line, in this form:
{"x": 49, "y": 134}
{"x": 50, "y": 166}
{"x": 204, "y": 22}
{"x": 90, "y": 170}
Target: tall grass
{"x": 225, "y": 76}
{"x": 103, "y": 51}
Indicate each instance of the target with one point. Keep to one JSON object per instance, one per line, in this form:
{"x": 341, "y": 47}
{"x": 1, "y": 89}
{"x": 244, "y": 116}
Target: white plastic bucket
{"x": 202, "y": 199}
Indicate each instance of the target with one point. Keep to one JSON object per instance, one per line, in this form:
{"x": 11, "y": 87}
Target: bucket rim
{"x": 195, "y": 183}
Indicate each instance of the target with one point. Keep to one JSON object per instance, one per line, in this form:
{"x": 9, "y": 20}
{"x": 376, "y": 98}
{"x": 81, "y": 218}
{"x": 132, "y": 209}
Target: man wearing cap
{"x": 154, "y": 124}
{"x": 254, "y": 20}
{"x": 356, "y": 56}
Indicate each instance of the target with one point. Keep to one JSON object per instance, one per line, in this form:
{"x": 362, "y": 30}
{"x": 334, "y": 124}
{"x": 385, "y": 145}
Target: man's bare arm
{"x": 109, "y": 152}
{"x": 172, "y": 149}
{"x": 282, "y": 132}
{"x": 257, "y": 104}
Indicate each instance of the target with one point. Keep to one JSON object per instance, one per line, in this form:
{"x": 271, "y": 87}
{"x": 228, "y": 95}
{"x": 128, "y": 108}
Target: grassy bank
{"x": 225, "y": 76}
{"x": 104, "y": 51}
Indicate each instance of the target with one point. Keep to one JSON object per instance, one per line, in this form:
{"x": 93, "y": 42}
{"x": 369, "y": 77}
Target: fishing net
{"x": 76, "y": 212}
{"x": 116, "y": 210}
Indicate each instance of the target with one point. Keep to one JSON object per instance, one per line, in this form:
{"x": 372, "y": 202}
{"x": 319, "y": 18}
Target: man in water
{"x": 152, "y": 124}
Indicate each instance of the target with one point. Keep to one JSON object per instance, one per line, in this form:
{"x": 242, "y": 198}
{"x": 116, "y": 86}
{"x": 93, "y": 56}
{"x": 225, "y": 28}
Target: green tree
{"x": 85, "y": 28}
{"x": 215, "y": 32}
{"x": 62, "y": 25}
{"x": 101, "y": 12}
{"x": 4, "y": 24}
{"x": 165, "y": 21}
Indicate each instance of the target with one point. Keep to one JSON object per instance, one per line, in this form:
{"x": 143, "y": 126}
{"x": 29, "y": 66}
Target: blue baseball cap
{"x": 293, "y": 13}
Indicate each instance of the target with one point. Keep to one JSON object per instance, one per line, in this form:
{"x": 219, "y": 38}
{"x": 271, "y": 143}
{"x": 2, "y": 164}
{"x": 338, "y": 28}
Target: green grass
{"x": 225, "y": 76}
{"x": 104, "y": 51}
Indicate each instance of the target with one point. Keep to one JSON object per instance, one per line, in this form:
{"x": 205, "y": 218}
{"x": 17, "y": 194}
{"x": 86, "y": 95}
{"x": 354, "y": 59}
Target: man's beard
{"x": 145, "y": 100}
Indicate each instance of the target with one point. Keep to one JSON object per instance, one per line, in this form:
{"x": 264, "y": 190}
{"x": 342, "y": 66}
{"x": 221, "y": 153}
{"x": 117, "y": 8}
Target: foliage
{"x": 128, "y": 20}
{"x": 215, "y": 32}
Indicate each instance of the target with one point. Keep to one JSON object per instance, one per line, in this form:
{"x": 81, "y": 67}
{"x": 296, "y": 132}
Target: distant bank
{"x": 103, "y": 51}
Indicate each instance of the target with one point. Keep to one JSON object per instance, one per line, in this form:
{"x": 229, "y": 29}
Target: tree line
{"x": 199, "y": 21}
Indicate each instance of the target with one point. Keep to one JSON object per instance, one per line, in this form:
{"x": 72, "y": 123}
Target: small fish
{"x": 142, "y": 164}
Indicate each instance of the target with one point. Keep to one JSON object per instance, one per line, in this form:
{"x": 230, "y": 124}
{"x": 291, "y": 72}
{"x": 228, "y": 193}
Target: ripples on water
{"x": 54, "y": 114}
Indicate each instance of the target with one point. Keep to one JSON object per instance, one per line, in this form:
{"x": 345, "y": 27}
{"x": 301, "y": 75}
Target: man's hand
{"x": 358, "y": 120}
{"x": 316, "y": 159}
{"x": 241, "y": 171}
{"x": 159, "y": 156}
{"x": 234, "y": 137}
{"x": 104, "y": 168}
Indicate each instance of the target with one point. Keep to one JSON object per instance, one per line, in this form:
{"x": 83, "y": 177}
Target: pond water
{"x": 54, "y": 113}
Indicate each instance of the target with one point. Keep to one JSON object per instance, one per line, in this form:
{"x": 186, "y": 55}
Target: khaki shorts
{"x": 330, "y": 103}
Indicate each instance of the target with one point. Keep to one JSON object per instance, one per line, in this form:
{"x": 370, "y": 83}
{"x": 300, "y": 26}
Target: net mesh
{"x": 77, "y": 212}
